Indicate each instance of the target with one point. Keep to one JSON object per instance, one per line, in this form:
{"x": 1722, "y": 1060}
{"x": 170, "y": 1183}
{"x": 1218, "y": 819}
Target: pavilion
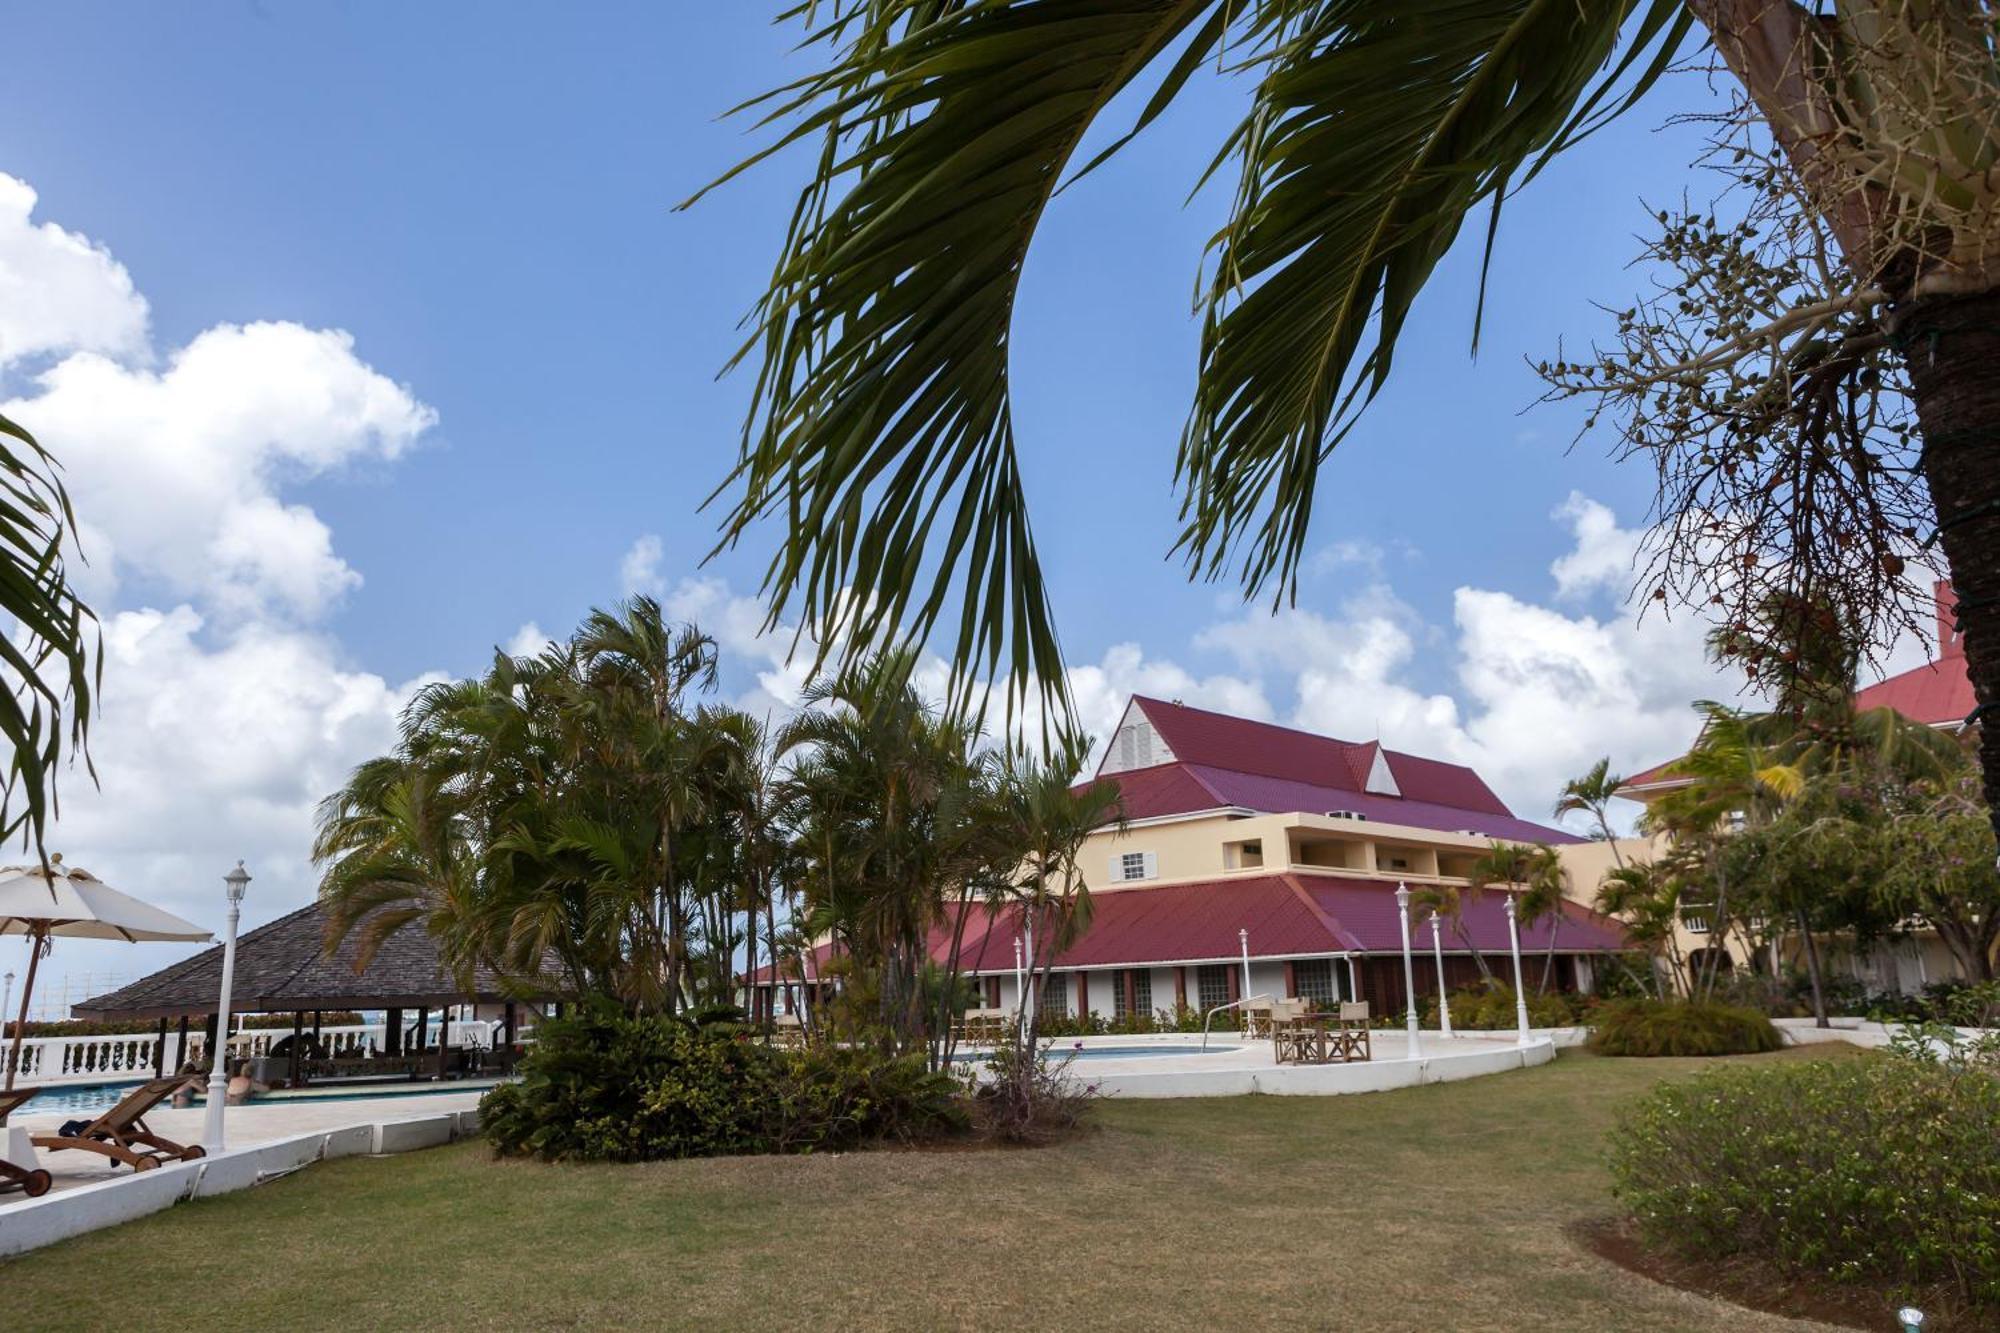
{"x": 286, "y": 967}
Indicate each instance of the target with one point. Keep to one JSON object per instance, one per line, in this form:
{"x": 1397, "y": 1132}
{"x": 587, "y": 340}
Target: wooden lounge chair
{"x": 31, "y": 1181}
{"x": 121, "y": 1132}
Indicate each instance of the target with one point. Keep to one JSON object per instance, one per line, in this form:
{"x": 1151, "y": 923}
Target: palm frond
{"x": 51, "y": 662}
{"x": 881, "y": 418}
{"x": 1376, "y": 131}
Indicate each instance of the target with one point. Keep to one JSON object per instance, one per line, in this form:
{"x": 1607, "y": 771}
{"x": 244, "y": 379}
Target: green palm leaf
{"x": 1376, "y": 131}
{"x": 881, "y": 436}
{"x": 51, "y": 660}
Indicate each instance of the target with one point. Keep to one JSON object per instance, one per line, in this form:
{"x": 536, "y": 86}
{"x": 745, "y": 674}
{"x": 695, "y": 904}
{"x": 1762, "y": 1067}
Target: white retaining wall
{"x": 36, "y": 1222}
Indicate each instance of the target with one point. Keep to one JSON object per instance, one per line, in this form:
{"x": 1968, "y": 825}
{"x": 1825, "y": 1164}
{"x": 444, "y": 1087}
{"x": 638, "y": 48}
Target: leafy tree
{"x": 1646, "y": 896}
{"x": 881, "y": 428}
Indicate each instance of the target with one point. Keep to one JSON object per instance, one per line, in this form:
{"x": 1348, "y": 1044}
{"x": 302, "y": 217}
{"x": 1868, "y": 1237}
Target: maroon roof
{"x": 1288, "y": 916}
{"x": 1220, "y": 761}
{"x": 1937, "y": 694}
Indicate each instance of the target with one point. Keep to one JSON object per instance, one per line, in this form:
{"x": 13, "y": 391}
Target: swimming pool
{"x": 92, "y": 1098}
{"x": 1105, "y": 1052}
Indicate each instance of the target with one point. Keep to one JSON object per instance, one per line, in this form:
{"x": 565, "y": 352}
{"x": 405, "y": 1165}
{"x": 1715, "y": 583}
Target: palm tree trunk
{"x": 1478, "y": 958}
{"x": 1952, "y": 347}
{"x": 1549, "y": 962}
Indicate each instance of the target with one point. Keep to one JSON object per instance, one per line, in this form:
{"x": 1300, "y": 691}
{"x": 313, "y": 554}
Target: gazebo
{"x": 284, "y": 967}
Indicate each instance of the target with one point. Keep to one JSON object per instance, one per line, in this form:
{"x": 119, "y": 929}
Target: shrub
{"x": 1873, "y": 1169}
{"x": 1657, "y": 1027}
{"x": 1483, "y": 1008}
{"x": 1030, "y": 1097}
{"x": 601, "y": 1086}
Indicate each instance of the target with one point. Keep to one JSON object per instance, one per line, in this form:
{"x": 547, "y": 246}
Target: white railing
{"x": 129, "y": 1055}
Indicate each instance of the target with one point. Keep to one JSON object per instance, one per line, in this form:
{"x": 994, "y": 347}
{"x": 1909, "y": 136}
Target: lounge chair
{"x": 31, "y": 1181}
{"x": 121, "y": 1132}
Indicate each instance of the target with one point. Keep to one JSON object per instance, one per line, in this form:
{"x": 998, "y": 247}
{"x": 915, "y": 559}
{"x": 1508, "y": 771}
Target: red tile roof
{"x": 1938, "y": 693}
{"x": 1221, "y": 761}
{"x": 1288, "y": 916}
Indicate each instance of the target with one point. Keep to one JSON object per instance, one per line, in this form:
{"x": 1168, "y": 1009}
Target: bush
{"x": 1030, "y": 1097}
{"x": 601, "y": 1086}
{"x": 1492, "y": 1008}
{"x": 1874, "y": 1170}
{"x": 1657, "y": 1027}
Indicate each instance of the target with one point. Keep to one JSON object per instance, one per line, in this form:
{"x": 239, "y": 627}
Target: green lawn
{"x": 1435, "y": 1208}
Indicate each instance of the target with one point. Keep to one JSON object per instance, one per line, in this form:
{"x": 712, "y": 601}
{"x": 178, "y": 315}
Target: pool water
{"x": 94, "y": 1098}
{"x": 1108, "y": 1052}
{"x": 75, "y": 1099}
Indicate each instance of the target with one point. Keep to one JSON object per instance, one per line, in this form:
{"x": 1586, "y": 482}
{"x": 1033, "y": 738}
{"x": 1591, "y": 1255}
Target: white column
{"x": 1520, "y": 996}
{"x": 1444, "y": 1003}
{"x": 218, "y": 1059}
{"x": 1416, "y": 1050}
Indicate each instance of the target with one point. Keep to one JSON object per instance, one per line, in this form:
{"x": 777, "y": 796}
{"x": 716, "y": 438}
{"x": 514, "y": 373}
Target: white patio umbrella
{"x": 77, "y": 903}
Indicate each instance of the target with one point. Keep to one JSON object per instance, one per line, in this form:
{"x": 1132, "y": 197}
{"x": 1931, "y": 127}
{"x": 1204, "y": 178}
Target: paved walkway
{"x": 245, "y": 1126}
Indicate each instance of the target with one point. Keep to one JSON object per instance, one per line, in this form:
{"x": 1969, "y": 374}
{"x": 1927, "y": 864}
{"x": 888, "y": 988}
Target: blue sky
{"x": 482, "y": 199}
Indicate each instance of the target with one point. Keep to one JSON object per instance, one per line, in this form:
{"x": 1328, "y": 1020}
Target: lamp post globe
{"x": 234, "y": 884}
{"x": 1416, "y": 1049}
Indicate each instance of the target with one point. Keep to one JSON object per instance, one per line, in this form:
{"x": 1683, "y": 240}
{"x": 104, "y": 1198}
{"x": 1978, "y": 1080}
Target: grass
{"x": 1436, "y": 1208}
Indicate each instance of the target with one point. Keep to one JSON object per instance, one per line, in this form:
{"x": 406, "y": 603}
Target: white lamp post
{"x": 1243, "y": 939}
{"x": 234, "y": 883}
{"x": 7, "y": 998}
{"x": 1444, "y": 1003}
{"x": 1520, "y": 996}
{"x": 1416, "y": 1051}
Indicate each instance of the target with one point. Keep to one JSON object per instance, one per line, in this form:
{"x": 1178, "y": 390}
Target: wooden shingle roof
{"x": 283, "y": 967}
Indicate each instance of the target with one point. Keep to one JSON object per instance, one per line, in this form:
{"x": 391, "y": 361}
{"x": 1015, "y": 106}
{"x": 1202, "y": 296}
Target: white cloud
{"x": 58, "y": 291}
{"x": 1606, "y": 556}
{"x": 639, "y": 572}
{"x": 178, "y": 474}
{"x": 225, "y": 717}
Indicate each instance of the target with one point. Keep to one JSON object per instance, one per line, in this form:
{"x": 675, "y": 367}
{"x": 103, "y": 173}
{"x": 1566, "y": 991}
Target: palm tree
{"x": 1591, "y": 794}
{"x": 1735, "y": 781}
{"x": 51, "y": 656}
{"x": 881, "y": 434}
{"x": 1448, "y": 902}
{"x": 1544, "y": 887}
{"x": 1646, "y": 896}
{"x": 1039, "y": 818}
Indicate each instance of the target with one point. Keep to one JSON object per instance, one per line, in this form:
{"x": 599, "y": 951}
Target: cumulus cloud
{"x": 59, "y": 292}
{"x": 178, "y": 474}
{"x": 226, "y": 710}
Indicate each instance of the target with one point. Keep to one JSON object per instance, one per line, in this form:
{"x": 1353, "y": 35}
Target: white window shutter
{"x": 1152, "y": 865}
{"x": 1117, "y": 871}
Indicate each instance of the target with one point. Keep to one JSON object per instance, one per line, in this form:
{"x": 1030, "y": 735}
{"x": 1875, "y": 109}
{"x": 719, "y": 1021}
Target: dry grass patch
{"x": 1434, "y": 1208}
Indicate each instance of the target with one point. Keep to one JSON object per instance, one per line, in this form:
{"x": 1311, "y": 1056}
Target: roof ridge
{"x": 1251, "y": 721}
{"x": 1342, "y": 936}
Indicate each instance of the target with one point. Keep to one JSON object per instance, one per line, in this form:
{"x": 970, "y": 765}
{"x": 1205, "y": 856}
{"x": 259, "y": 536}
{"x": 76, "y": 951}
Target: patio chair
{"x": 31, "y": 1181}
{"x": 1353, "y": 1032}
{"x": 121, "y": 1132}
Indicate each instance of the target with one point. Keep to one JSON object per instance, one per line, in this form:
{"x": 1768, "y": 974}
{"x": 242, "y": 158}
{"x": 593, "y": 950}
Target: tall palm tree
{"x": 1040, "y": 817}
{"x": 1591, "y": 794}
{"x": 881, "y": 433}
{"x": 1544, "y": 888}
{"x": 50, "y": 658}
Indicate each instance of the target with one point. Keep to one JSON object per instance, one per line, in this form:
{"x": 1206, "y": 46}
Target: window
{"x": 1399, "y": 863}
{"x": 1211, "y": 985}
{"x": 1055, "y": 995}
{"x": 1141, "y": 981}
{"x": 1134, "y": 865}
{"x": 1347, "y": 814}
{"x": 1696, "y": 922}
{"x": 1314, "y": 979}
